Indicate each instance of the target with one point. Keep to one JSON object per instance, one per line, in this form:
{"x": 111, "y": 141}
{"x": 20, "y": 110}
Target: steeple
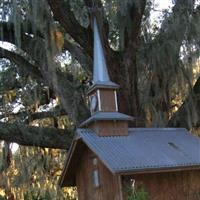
{"x": 100, "y": 72}
{"x": 105, "y": 119}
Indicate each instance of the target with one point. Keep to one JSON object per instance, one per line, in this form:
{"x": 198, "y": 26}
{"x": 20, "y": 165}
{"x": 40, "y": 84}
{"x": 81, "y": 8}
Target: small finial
{"x": 94, "y": 9}
{"x": 94, "y": 12}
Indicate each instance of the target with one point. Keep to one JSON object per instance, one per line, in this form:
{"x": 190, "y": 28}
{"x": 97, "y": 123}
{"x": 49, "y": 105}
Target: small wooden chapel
{"x": 106, "y": 156}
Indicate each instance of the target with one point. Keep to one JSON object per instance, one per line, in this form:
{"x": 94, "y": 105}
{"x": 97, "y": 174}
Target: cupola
{"x": 105, "y": 119}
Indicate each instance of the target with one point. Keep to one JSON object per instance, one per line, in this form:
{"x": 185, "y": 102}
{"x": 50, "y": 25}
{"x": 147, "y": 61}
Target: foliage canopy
{"x": 46, "y": 67}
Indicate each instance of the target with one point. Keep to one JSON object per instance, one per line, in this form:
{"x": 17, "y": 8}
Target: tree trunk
{"x": 124, "y": 73}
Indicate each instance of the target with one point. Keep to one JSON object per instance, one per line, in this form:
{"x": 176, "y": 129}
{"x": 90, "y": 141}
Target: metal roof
{"x": 107, "y": 116}
{"x": 100, "y": 72}
{"x": 145, "y": 149}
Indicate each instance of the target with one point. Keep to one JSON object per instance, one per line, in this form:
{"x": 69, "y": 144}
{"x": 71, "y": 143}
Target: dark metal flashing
{"x": 156, "y": 170}
{"x": 99, "y": 116}
{"x": 103, "y": 85}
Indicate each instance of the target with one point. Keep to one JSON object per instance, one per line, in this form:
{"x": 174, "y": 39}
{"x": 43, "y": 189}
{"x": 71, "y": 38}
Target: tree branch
{"x": 63, "y": 14}
{"x": 35, "y": 116}
{"x": 165, "y": 49}
{"x": 78, "y": 53}
{"x": 134, "y": 14}
{"x": 24, "y": 65}
{"x": 101, "y": 20}
{"x": 48, "y": 114}
{"x": 35, "y": 136}
{"x": 173, "y": 28}
{"x": 188, "y": 114}
{"x": 134, "y": 17}
{"x": 8, "y": 31}
{"x": 69, "y": 95}
{"x": 38, "y": 53}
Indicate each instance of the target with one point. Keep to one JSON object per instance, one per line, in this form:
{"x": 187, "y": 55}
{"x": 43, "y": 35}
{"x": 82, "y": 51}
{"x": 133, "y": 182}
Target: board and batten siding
{"x": 109, "y": 184}
{"x": 180, "y": 185}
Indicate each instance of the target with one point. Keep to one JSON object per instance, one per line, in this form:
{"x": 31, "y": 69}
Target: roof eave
{"x": 105, "y": 118}
{"x": 67, "y": 162}
{"x": 103, "y": 85}
{"x": 157, "y": 170}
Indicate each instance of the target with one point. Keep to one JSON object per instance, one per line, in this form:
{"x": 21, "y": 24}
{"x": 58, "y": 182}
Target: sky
{"x": 163, "y": 4}
{"x": 160, "y": 5}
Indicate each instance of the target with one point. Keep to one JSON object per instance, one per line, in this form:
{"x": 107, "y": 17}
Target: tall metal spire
{"x": 100, "y": 71}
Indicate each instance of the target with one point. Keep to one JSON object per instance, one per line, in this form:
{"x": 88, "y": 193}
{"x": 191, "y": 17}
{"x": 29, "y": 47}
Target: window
{"x": 95, "y": 178}
{"x": 94, "y": 161}
{"x": 95, "y": 173}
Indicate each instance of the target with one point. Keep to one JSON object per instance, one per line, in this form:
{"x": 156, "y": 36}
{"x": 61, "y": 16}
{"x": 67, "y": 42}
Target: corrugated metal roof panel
{"x": 145, "y": 148}
{"x": 107, "y": 116}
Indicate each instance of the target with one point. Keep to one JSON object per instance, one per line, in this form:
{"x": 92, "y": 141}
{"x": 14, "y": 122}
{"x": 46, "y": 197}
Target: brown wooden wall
{"x": 110, "y": 128}
{"x": 85, "y": 187}
{"x": 183, "y": 185}
{"x": 107, "y": 98}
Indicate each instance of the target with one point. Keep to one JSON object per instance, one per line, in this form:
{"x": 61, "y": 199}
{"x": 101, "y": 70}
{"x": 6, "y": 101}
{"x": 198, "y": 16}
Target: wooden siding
{"x": 109, "y": 184}
{"x": 182, "y": 185}
{"x": 110, "y": 128}
{"x": 107, "y": 98}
